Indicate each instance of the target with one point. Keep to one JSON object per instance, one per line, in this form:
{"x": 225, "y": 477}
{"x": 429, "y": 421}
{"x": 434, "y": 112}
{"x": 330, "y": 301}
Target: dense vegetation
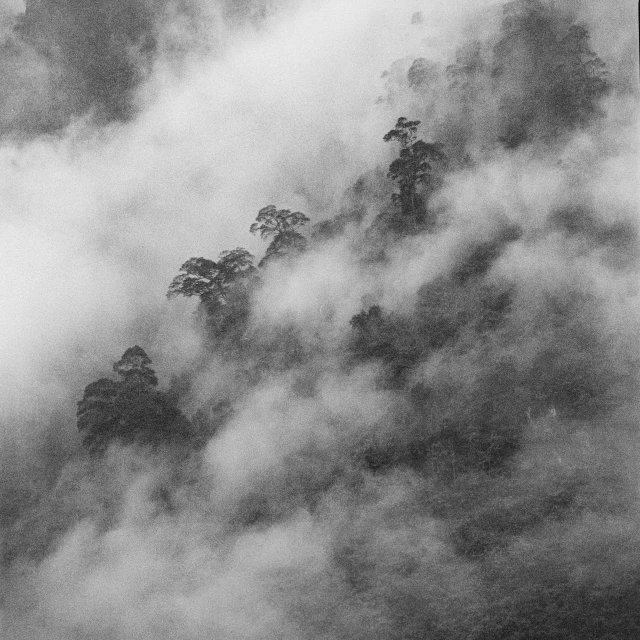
{"x": 476, "y": 486}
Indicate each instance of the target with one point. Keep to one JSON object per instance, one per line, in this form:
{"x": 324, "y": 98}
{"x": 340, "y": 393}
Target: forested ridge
{"x": 412, "y": 417}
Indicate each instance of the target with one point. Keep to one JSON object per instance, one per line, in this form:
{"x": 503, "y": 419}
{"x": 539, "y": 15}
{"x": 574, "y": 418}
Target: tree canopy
{"x": 129, "y": 410}
{"x": 213, "y": 281}
{"x": 282, "y": 226}
{"x": 224, "y": 288}
{"x": 134, "y": 367}
{"x": 415, "y": 165}
{"x": 546, "y": 75}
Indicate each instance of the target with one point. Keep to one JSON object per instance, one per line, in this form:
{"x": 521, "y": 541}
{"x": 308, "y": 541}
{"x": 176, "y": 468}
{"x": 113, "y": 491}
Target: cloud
{"x": 104, "y": 217}
{"x": 285, "y": 528}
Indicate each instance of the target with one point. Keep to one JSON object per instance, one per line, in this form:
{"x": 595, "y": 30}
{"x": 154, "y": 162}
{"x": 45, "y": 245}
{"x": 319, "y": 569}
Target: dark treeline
{"x": 68, "y": 59}
{"x": 490, "y": 496}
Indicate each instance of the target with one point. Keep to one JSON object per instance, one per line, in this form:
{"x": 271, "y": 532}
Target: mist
{"x": 414, "y": 417}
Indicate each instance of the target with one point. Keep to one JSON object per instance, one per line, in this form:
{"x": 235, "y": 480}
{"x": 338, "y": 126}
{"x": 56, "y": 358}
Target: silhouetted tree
{"x": 224, "y": 288}
{"x": 282, "y": 226}
{"x": 213, "y": 281}
{"x": 130, "y": 410}
{"x": 134, "y": 368}
{"x": 415, "y": 165}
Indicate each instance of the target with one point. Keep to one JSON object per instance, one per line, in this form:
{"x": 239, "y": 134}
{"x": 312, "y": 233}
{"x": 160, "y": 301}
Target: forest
{"x": 408, "y": 411}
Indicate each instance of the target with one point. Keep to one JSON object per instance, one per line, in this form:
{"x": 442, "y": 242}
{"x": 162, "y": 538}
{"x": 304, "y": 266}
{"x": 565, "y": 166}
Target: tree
{"x": 224, "y": 289}
{"x": 282, "y": 226}
{"x": 213, "y": 281}
{"x": 134, "y": 368}
{"x": 416, "y": 165}
{"x": 371, "y": 334}
{"x": 405, "y": 132}
{"x": 129, "y": 410}
{"x": 98, "y": 417}
{"x": 547, "y": 78}
{"x": 200, "y": 277}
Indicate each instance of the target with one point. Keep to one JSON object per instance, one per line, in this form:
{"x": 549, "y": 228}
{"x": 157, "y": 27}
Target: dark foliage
{"x": 466, "y": 509}
{"x": 213, "y": 282}
{"x": 570, "y": 591}
{"x": 224, "y": 289}
{"x": 416, "y": 166}
{"x": 549, "y": 78}
{"x": 281, "y": 225}
{"x": 100, "y": 52}
{"x": 130, "y": 410}
{"x": 495, "y": 525}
